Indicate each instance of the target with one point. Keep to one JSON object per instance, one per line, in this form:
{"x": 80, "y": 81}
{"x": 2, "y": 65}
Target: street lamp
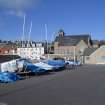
{"x": 74, "y": 53}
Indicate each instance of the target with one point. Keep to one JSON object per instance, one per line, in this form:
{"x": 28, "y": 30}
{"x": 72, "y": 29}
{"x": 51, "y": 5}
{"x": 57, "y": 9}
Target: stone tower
{"x": 61, "y": 33}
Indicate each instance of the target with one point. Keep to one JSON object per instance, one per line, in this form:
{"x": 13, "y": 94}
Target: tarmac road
{"x": 84, "y": 85}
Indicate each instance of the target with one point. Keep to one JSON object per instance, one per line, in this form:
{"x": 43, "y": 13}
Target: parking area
{"x": 84, "y": 85}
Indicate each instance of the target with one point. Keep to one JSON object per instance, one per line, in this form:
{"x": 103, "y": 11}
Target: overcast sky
{"x": 74, "y": 16}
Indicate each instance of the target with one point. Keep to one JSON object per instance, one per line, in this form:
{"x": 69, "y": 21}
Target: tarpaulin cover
{"x": 34, "y": 69}
{"x": 73, "y": 62}
{"x": 44, "y": 66}
{"x": 56, "y": 63}
{"x": 8, "y": 77}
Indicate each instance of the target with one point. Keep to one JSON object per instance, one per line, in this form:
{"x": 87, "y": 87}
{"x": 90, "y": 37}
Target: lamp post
{"x": 74, "y": 53}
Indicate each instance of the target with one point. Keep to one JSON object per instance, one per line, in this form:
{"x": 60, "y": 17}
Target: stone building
{"x": 70, "y": 46}
{"x": 94, "y": 55}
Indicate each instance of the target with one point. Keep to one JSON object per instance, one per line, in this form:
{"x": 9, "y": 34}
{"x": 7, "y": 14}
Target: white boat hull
{"x": 44, "y": 65}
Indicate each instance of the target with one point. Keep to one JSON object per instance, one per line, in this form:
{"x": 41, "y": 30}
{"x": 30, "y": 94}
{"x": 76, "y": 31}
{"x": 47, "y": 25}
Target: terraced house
{"x": 69, "y": 46}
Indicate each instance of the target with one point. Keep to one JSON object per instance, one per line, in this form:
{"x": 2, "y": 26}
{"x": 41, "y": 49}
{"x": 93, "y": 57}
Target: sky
{"x": 73, "y": 16}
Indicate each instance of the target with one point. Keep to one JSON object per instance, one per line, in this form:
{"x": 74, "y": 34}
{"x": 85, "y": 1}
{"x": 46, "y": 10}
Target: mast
{"x": 30, "y": 32}
{"x": 46, "y": 33}
{"x": 29, "y": 35}
{"x": 23, "y": 36}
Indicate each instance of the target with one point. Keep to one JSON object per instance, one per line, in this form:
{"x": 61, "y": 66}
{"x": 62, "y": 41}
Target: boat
{"x": 72, "y": 62}
{"x": 21, "y": 63}
{"x": 34, "y": 69}
{"x": 8, "y": 77}
{"x": 57, "y": 64}
{"x": 44, "y": 66}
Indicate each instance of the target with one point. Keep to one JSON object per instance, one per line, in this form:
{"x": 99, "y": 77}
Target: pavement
{"x": 83, "y": 85}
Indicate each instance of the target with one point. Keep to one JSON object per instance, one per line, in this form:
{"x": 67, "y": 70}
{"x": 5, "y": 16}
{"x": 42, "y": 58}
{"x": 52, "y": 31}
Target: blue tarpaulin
{"x": 56, "y": 63}
{"x": 34, "y": 69}
{"x": 71, "y": 62}
{"x": 8, "y": 77}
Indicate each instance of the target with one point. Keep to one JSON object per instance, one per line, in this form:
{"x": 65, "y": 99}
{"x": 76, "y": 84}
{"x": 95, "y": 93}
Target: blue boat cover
{"x": 8, "y": 77}
{"x": 56, "y": 63}
{"x": 34, "y": 69}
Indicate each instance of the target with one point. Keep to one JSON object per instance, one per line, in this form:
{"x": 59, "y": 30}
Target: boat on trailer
{"x": 44, "y": 66}
{"x": 8, "y": 77}
{"x": 57, "y": 64}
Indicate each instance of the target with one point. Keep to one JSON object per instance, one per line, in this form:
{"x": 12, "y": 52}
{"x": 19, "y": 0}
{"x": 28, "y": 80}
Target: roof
{"x": 89, "y": 51}
{"x": 4, "y": 45}
{"x": 6, "y": 58}
{"x": 71, "y": 40}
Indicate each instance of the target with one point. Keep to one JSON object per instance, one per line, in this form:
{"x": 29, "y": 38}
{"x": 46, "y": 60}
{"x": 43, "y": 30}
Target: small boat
{"x": 21, "y": 62}
{"x": 34, "y": 69}
{"x": 71, "y": 62}
{"x": 7, "y": 77}
{"x": 57, "y": 64}
{"x": 44, "y": 66}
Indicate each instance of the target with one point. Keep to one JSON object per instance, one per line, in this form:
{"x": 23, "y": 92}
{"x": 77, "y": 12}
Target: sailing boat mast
{"x": 30, "y": 32}
{"x": 46, "y": 33}
{"x": 23, "y": 36}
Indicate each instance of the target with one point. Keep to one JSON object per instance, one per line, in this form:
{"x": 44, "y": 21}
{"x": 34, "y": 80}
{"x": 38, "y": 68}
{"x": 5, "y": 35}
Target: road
{"x": 84, "y": 85}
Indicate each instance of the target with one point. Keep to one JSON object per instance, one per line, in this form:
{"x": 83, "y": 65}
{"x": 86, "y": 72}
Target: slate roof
{"x": 71, "y": 40}
{"x": 89, "y": 51}
{"x": 6, "y": 58}
{"x": 5, "y": 45}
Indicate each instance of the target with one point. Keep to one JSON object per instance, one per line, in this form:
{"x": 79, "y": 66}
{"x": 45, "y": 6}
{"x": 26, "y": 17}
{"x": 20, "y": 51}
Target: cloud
{"x": 18, "y": 5}
{"x": 16, "y": 13}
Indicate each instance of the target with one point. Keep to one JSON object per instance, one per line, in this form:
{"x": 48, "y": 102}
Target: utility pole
{"x": 74, "y": 54}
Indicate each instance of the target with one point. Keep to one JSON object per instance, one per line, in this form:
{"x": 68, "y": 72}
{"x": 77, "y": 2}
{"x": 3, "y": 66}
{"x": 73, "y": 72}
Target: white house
{"x": 31, "y": 51}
